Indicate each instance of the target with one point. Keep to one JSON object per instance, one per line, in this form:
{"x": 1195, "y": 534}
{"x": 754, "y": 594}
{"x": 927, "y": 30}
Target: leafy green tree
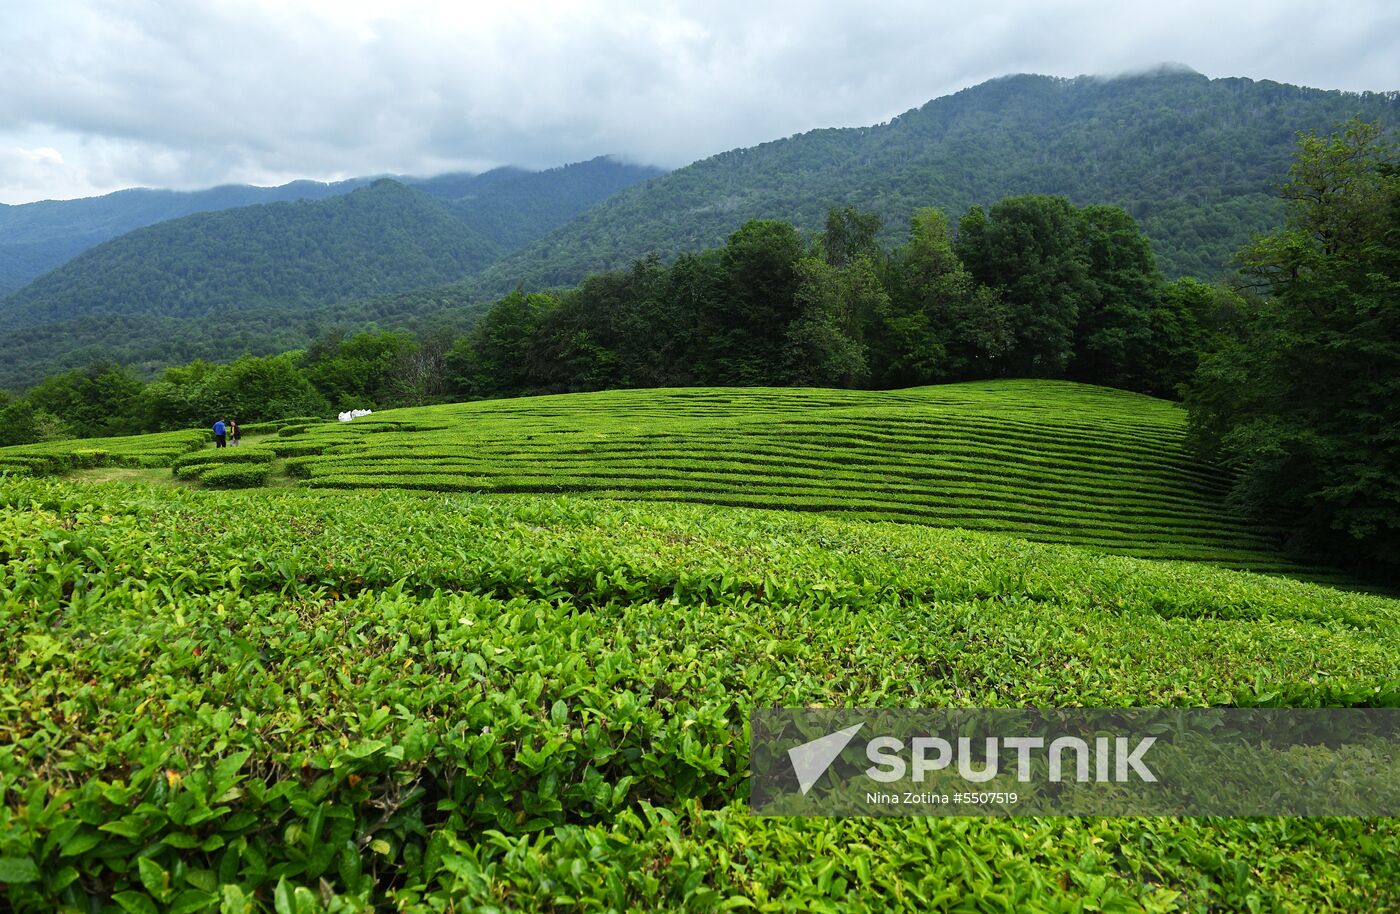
{"x": 495, "y": 359}
{"x": 850, "y": 234}
{"x": 102, "y": 399}
{"x": 1305, "y": 402}
{"x": 823, "y": 349}
{"x": 1029, "y": 249}
{"x": 362, "y": 371}
{"x": 940, "y": 323}
{"x": 1114, "y": 333}
{"x": 1191, "y": 318}
{"x": 250, "y": 389}
{"x": 749, "y": 325}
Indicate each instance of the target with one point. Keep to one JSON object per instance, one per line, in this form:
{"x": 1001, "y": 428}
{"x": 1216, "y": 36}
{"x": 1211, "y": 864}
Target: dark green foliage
{"x": 824, "y": 344}
{"x": 1030, "y": 249}
{"x": 36, "y": 237}
{"x": 1305, "y": 400}
{"x": 249, "y": 389}
{"x": 361, "y": 371}
{"x": 514, "y": 207}
{"x": 1195, "y": 161}
{"x": 102, "y": 399}
{"x": 1063, "y": 292}
{"x": 1114, "y": 337}
{"x": 95, "y": 401}
{"x": 748, "y": 323}
{"x": 266, "y": 279}
{"x": 1192, "y": 315}
{"x": 496, "y": 358}
{"x": 939, "y": 323}
{"x": 381, "y": 238}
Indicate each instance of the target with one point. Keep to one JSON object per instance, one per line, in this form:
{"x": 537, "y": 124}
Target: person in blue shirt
{"x": 220, "y": 439}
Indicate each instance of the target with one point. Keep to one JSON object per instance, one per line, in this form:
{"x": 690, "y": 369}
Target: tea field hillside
{"x": 298, "y": 700}
{"x": 1052, "y": 461}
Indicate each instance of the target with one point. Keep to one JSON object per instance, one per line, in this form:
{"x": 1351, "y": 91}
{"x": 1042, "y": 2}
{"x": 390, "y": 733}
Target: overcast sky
{"x": 97, "y": 95}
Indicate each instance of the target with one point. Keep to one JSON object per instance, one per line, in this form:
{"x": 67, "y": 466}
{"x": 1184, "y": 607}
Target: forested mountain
{"x": 380, "y": 238}
{"x": 1196, "y": 161}
{"x": 135, "y": 292}
{"x": 514, "y": 207}
{"x": 37, "y": 237}
{"x": 267, "y": 278}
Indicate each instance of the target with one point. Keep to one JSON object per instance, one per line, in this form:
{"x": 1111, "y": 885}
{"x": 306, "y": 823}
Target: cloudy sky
{"x": 103, "y": 94}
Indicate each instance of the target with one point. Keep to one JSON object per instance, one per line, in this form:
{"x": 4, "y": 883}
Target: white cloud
{"x": 195, "y": 92}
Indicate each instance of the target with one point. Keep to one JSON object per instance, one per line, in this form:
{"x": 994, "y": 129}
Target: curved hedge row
{"x": 1052, "y": 461}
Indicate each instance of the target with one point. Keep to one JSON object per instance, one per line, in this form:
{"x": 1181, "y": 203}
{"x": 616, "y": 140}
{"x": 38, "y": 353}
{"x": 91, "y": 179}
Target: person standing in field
{"x": 220, "y": 432}
{"x": 234, "y": 433}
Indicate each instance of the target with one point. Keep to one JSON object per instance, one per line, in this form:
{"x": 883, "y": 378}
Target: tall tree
{"x": 1113, "y": 338}
{"x": 1305, "y": 403}
{"x": 850, "y": 234}
{"x": 824, "y": 348}
{"x": 1028, "y": 248}
{"x": 495, "y": 359}
{"x": 752, "y": 322}
{"x": 940, "y": 324}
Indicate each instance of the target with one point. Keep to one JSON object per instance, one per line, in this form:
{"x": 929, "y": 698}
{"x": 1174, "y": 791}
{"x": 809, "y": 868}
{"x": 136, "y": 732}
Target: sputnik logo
{"x": 810, "y": 760}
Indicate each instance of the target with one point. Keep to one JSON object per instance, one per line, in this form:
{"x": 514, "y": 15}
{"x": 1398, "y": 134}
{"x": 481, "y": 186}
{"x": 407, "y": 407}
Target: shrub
{"x": 235, "y": 475}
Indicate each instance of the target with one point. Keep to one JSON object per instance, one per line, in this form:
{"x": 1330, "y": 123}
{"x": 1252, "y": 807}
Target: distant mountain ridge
{"x": 1196, "y": 161}
{"x": 37, "y": 237}
{"x": 264, "y": 277}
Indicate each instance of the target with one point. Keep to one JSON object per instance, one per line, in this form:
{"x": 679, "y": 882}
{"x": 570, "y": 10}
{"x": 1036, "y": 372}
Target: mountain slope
{"x": 214, "y": 285}
{"x": 1196, "y": 161}
{"x": 265, "y": 279}
{"x": 36, "y": 237}
{"x": 381, "y": 238}
{"x": 515, "y": 207}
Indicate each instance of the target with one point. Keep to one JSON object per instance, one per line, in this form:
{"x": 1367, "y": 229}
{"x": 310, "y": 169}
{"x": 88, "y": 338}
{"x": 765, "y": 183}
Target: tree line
{"x": 1033, "y": 286}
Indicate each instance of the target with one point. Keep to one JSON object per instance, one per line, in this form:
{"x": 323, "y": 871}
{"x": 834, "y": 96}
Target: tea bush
{"x": 288, "y": 700}
{"x": 245, "y": 475}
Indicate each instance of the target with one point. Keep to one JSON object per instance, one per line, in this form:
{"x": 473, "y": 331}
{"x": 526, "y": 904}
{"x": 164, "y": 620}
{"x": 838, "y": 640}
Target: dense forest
{"x": 380, "y": 238}
{"x": 1197, "y": 162}
{"x": 1032, "y": 286}
{"x": 1303, "y": 400}
{"x": 37, "y": 237}
{"x": 260, "y": 278}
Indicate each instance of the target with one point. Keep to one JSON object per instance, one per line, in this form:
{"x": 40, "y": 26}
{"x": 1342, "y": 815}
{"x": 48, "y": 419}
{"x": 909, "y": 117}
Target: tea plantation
{"x": 299, "y": 699}
{"x": 1053, "y": 461}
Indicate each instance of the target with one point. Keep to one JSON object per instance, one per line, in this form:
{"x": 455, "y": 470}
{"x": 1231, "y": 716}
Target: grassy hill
{"x": 1196, "y": 161}
{"x": 526, "y": 703}
{"x": 1055, "y": 462}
